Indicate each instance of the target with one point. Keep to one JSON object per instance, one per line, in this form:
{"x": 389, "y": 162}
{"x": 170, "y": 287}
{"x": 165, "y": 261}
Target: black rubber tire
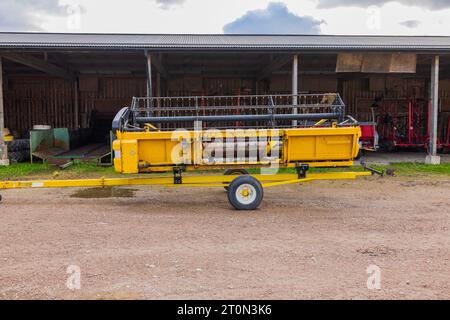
{"x": 230, "y": 172}
{"x": 14, "y": 156}
{"x": 19, "y": 156}
{"x": 236, "y": 183}
{"x": 19, "y": 145}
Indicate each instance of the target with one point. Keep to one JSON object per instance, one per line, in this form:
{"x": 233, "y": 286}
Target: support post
{"x": 149, "y": 74}
{"x": 158, "y": 78}
{"x": 158, "y": 94}
{"x": 294, "y": 87}
{"x": 76, "y": 105}
{"x": 149, "y": 80}
{"x": 158, "y": 81}
{"x": 158, "y": 84}
{"x": 3, "y": 148}
{"x": 432, "y": 157}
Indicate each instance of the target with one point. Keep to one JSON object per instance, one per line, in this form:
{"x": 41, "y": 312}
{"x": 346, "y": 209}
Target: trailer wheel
{"x": 245, "y": 193}
{"x": 234, "y": 172}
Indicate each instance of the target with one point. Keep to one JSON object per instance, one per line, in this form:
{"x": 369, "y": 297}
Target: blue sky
{"x": 408, "y": 17}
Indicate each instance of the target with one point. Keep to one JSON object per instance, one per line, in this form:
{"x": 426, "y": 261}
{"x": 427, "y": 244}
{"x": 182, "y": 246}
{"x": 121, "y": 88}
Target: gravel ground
{"x": 311, "y": 241}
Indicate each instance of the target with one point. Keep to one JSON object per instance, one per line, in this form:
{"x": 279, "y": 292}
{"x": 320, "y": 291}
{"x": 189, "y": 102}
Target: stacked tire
{"x": 19, "y": 150}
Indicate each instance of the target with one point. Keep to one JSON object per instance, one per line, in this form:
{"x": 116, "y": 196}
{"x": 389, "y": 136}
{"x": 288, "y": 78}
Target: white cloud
{"x": 430, "y": 4}
{"x": 410, "y": 23}
{"x": 210, "y": 16}
{"x": 28, "y": 15}
{"x": 167, "y": 4}
{"x": 275, "y": 19}
{"x": 357, "y": 20}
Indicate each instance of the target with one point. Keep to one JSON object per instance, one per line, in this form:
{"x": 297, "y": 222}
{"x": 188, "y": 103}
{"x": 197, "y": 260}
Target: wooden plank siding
{"x": 37, "y": 100}
{"x": 40, "y": 99}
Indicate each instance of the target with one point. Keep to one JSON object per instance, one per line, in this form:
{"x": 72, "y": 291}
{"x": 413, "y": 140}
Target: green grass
{"x": 410, "y": 169}
{"x": 83, "y": 168}
{"x": 28, "y": 170}
{"x": 90, "y": 170}
{"x": 23, "y": 169}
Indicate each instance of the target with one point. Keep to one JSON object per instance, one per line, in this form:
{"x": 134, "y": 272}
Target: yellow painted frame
{"x": 187, "y": 181}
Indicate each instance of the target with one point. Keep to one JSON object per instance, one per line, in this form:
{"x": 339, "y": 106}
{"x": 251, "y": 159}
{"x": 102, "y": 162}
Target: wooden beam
{"x": 76, "y": 105}
{"x": 3, "y": 148}
{"x": 276, "y": 64}
{"x": 39, "y": 64}
{"x": 158, "y": 84}
{"x": 157, "y": 63}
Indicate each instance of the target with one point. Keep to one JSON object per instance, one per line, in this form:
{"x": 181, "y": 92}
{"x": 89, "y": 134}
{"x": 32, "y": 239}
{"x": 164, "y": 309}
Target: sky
{"x": 384, "y": 17}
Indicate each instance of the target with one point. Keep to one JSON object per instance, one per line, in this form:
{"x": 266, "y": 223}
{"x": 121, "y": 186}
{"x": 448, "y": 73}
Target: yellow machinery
{"x": 7, "y": 135}
{"x": 271, "y": 132}
{"x": 139, "y": 152}
{"x": 7, "y": 138}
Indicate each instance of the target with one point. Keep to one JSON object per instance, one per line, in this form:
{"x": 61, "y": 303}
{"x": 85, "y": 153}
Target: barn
{"x": 80, "y": 81}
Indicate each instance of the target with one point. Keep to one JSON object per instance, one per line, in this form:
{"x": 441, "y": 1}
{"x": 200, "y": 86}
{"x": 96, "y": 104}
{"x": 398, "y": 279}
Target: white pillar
{"x": 3, "y": 148}
{"x": 294, "y": 87}
{"x": 149, "y": 80}
{"x": 432, "y": 157}
{"x": 149, "y": 74}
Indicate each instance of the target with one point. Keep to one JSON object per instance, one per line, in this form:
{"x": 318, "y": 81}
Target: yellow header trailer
{"x": 299, "y": 132}
{"x": 153, "y": 151}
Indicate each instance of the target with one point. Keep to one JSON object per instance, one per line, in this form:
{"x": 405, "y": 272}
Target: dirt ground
{"x": 312, "y": 241}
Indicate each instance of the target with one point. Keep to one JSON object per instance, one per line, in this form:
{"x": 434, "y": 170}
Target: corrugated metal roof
{"x": 210, "y": 41}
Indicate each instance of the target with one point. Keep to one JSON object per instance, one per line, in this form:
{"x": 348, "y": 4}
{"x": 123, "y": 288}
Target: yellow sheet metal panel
{"x": 320, "y": 148}
{"x": 315, "y": 146}
{"x": 299, "y": 148}
{"x": 154, "y": 151}
{"x": 117, "y": 156}
{"x": 334, "y": 147}
{"x": 321, "y": 144}
{"x": 130, "y": 156}
{"x": 314, "y": 131}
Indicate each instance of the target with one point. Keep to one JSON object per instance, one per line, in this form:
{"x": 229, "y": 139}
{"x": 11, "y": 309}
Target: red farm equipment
{"x": 405, "y": 124}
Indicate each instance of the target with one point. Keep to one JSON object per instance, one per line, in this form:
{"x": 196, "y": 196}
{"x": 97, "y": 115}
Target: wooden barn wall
{"x": 103, "y": 97}
{"x": 282, "y": 84}
{"x": 37, "y": 100}
{"x": 33, "y": 100}
{"x": 211, "y": 86}
{"x": 360, "y": 94}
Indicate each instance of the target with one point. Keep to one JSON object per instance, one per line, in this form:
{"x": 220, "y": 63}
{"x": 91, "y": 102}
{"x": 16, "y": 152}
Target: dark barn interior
{"x": 80, "y": 82}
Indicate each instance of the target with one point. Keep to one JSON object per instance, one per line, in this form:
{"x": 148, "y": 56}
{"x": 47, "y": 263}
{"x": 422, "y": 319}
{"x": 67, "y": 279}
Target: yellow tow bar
{"x": 256, "y": 182}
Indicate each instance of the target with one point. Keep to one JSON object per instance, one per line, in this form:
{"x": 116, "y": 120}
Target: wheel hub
{"x": 246, "y": 193}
